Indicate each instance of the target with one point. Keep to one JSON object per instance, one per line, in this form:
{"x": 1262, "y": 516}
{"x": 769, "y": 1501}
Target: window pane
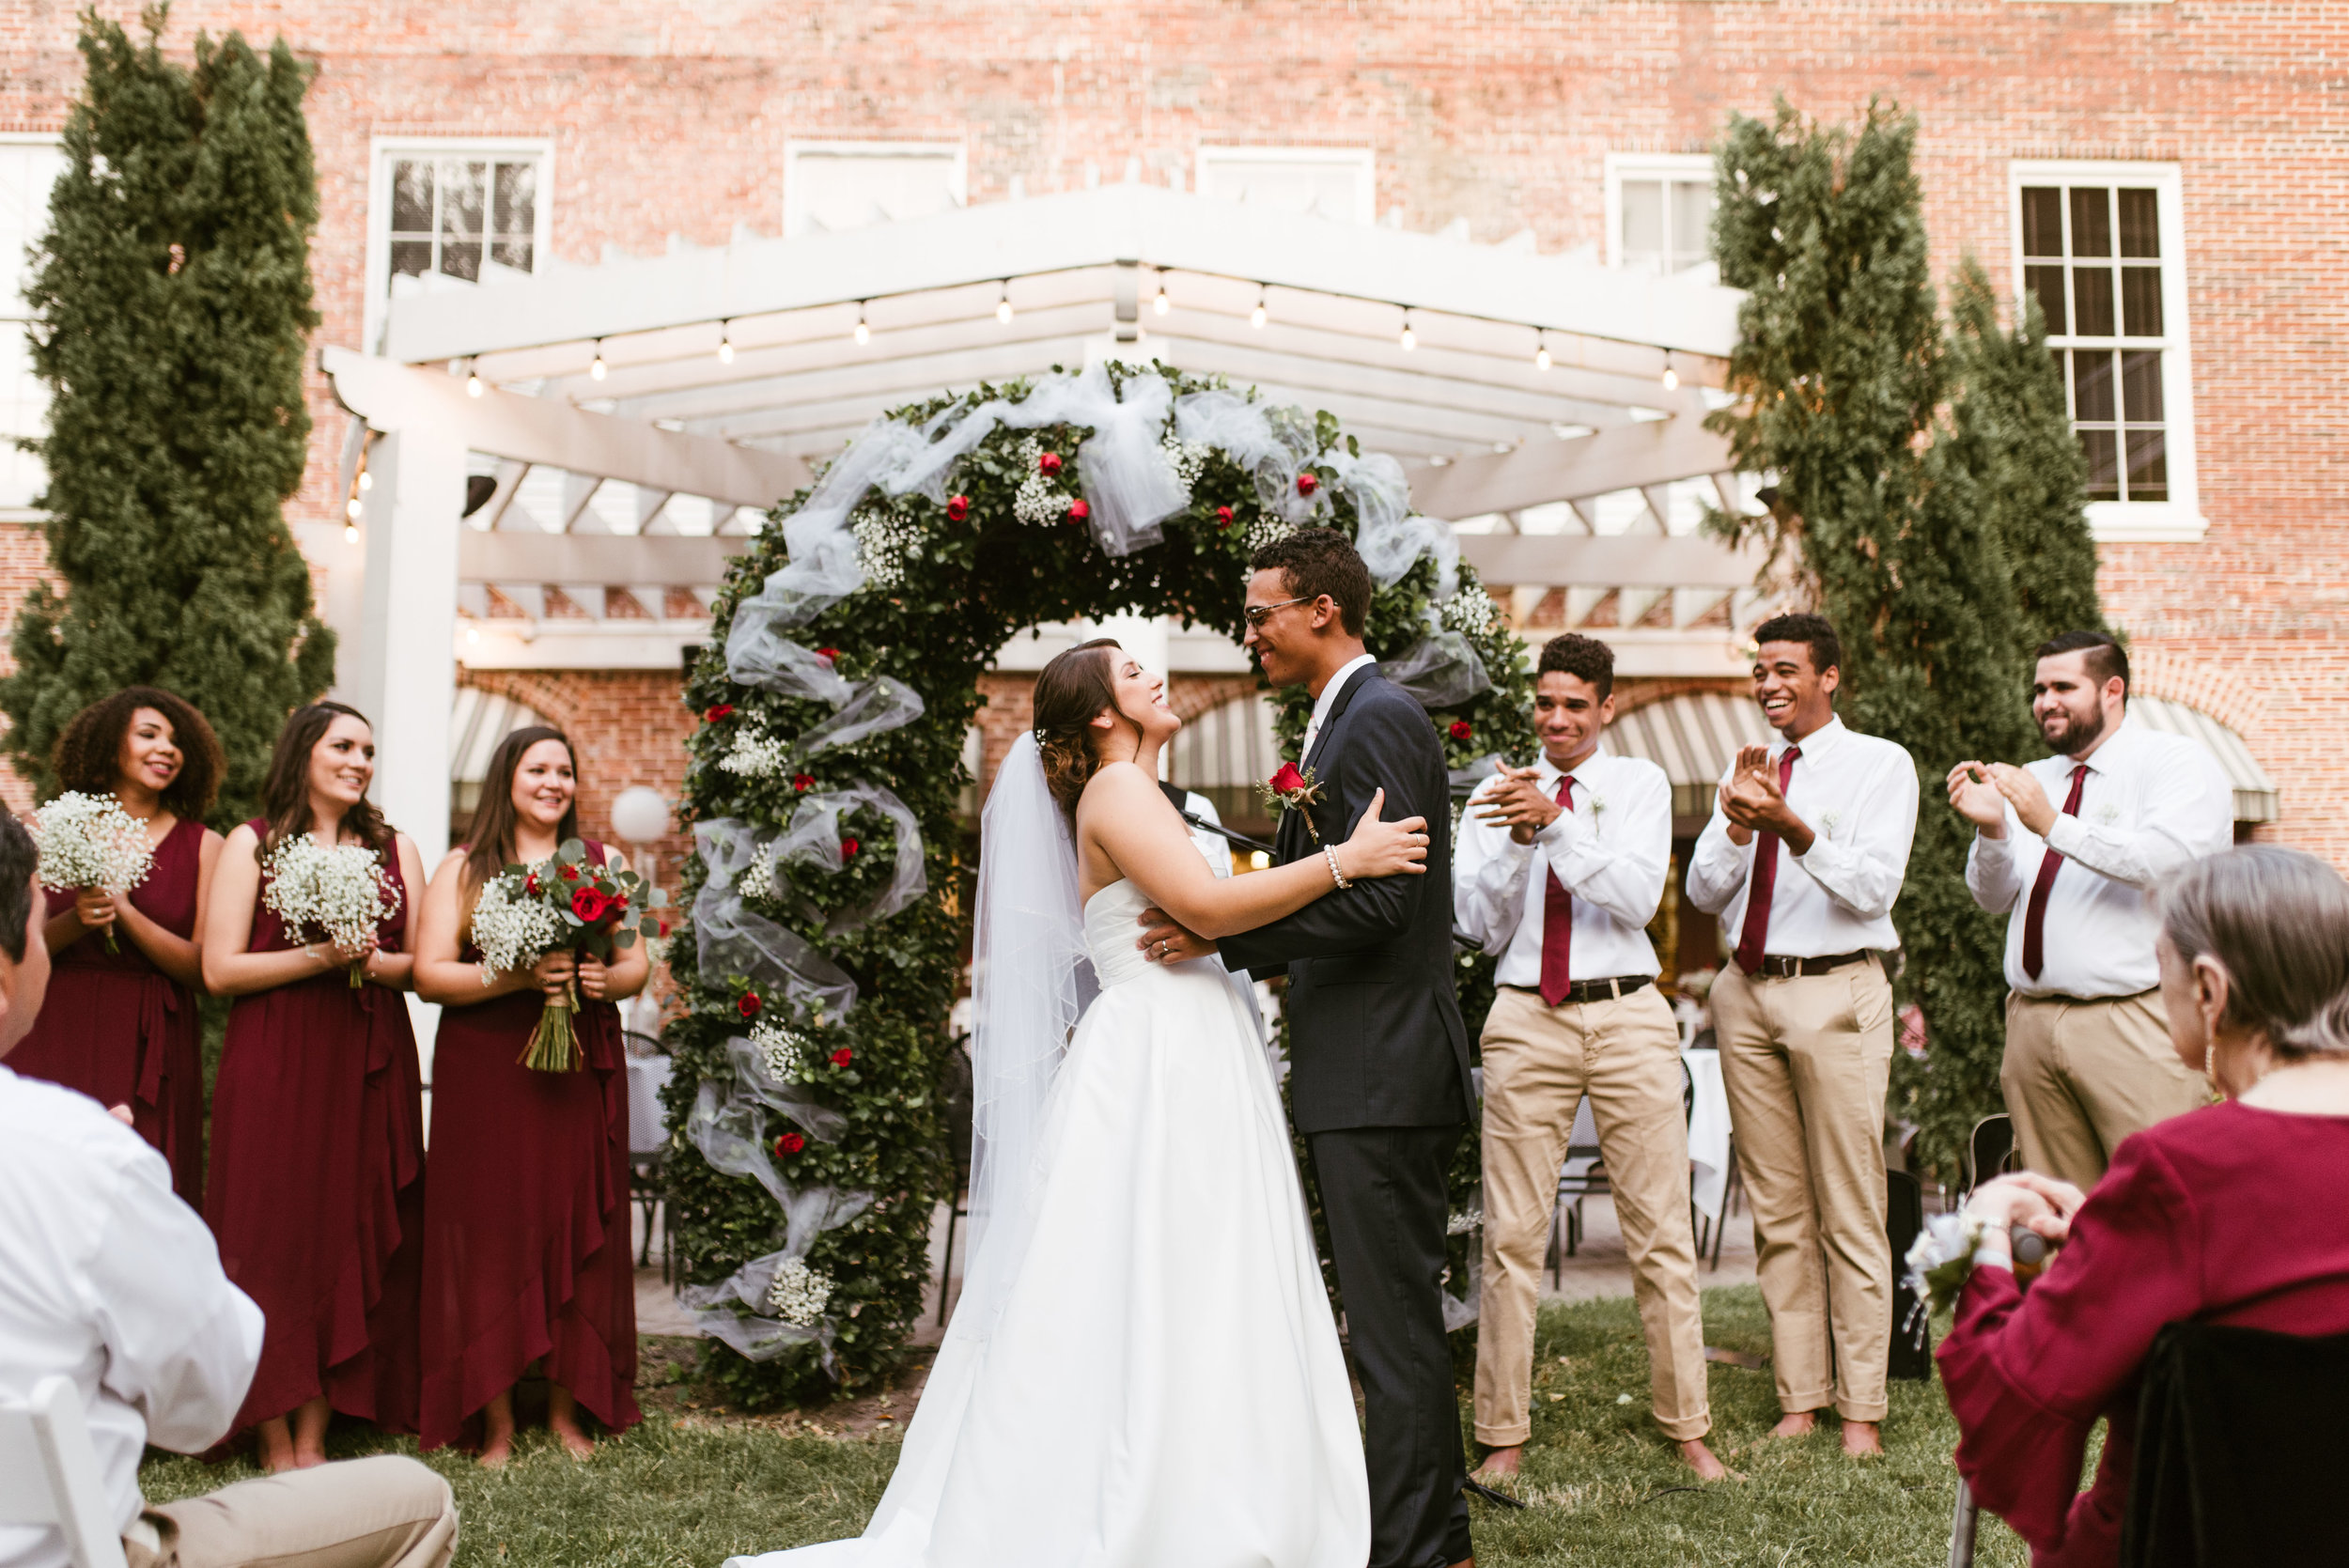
{"x": 1644, "y": 222}
{"x": 461, "y": 258}
{"x": 514, "y": 213}
{"x": 463, "y": 200}
{"x": 2141, "y": 387}
{"x": 1692, "y": 223}
{"x": 516, "y": 254}
{"x": 413, "y": 257}
{"x": 412, "y": 197}
{"x": 2092, "y": 385}
{"x": 2102, "y": 452}
{"x": 2092, "y": 302}
{"x": 2043, "y": 221}
{"x": 2046, "y": 285}
{"x": 2092, "y": 220}
{"x": 2141, "y": 301}
{"x": 2139, "y": 233}
{"x": 2148, "y": 468}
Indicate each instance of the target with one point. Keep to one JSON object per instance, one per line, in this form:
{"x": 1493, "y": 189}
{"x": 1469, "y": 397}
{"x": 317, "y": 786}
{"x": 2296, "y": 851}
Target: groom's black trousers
{"x": 1385, "y": 1193}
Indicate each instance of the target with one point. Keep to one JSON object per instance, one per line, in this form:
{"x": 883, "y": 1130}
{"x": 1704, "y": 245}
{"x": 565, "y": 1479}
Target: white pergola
{"x": 629, "y": 422}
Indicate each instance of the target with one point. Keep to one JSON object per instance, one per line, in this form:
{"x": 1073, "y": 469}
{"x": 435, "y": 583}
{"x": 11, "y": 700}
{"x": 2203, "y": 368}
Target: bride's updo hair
{"x": 1073, "y": 689}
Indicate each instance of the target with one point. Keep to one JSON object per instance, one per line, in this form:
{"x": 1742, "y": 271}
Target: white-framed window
{"x": 445, "y": 212}
{"x": 2101, "y": 247}
{"x": 1340, "y": 182}
{"x": 29, "y": 165}
{"x": 835, "y": 185}
{"x": 1660, "y": 210}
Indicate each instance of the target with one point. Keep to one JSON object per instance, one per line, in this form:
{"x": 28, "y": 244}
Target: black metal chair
{"x": 955, "y": 1092}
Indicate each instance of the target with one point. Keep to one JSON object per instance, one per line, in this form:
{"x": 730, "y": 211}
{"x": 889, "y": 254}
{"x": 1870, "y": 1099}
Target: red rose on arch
{"x": 1223, "y": 517}
{"x": 842, "y": 1057}
{"x": 1308, "y": 481}
{"x": 1048, "y": 462}
{"x": 957, "y": 507}
{"x": 1079, "y": 511}
{"x": 828, "y": 655}
{"x": 717, "y": 713}
{"x": 1288, "y": 778}
{"x": 590, "y": 904}
{"x": 789, "y": 1143}
{"x": 803, "y": 782}
{"x": 849, "y": 847}
{"x": 1462, "y": 729}
{"x": 749, "y": 1005}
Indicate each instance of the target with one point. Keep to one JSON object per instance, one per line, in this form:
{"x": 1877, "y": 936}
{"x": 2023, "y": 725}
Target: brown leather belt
{"x": 1591, "y": 990}
{"x": 1777, "y": 968}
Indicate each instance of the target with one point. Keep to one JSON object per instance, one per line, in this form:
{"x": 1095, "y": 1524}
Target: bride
{"x": 1143, "y": 1370}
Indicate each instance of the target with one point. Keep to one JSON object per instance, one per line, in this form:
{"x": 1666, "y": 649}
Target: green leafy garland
{"x": 947, "y": 585}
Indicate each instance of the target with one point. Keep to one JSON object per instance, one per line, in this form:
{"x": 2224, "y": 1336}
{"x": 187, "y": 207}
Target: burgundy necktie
{"x": 1764, "y": 881}
{"x": 1558, "y": 924}
{"x": 2036, "y": 916}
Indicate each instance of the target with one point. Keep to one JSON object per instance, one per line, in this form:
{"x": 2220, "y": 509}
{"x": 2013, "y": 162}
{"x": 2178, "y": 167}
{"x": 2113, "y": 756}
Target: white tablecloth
{"x": 1708, "y": 1132}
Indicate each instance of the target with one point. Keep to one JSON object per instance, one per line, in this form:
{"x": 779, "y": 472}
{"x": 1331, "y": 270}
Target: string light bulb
{"x": 1161, "y": 305}
{"x": 351, "y": 533}
{"x": 1256, "y": 317}
{"x": 1541, "y": 351}
{"x": 1002, "y": 304}
{"x": 596, "y": 367}
{"x": 725, "y": 343}
{"x": 472, "y": 382}
{"x": 367, "y": 481}
{"x": 864, "y": 333}
{"x": 1672, "y": 377}
{"x": 1410, "y": 340}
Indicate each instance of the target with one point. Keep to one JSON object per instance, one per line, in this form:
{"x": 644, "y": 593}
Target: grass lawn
{"x": 687, "y": 1489}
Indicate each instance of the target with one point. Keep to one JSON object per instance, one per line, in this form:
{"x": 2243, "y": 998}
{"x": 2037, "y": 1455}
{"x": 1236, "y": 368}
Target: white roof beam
{"x": 1619, "y": 560}
{"x": 1651, "y": 452}
{"x": 668, "y": 560}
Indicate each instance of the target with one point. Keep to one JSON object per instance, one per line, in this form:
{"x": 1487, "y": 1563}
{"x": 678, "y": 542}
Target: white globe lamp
{"x": 639, "y": 815}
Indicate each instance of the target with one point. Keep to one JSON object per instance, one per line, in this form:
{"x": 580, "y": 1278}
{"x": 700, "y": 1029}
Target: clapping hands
{"x": 1518, "y": 803}
{"x": 1754, "y": 803}
{"x": 1982, "y": 791}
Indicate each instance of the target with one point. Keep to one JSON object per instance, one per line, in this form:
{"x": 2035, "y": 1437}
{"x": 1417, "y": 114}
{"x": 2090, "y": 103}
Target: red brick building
{"x": 2192, "y": 146}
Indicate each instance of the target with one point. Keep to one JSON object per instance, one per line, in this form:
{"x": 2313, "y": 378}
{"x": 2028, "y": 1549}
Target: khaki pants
{"x": 1805, "y": 1060}
{"x": 1539, "y": 1062}
{"x": 2081, "y": 1075}
{"x": 384, "y": 1512}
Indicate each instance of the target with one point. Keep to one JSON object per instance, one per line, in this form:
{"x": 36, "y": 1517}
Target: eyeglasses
{"x": 1259, "y": 613}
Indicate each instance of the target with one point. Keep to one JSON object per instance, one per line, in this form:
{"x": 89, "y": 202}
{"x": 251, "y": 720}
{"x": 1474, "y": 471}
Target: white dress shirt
{"x": 1612, "y": 852}
{"x": 1327, "y": 700}
{"x": 112, "y": 1281}
{"x": 1858, "y": 795}
{"x": 2151, "y": 803}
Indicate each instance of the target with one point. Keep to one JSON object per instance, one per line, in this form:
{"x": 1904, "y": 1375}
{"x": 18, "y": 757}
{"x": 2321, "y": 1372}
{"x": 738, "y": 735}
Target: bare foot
{"x": 1796, "y": 1423}
{"x": 310, "y": 1420}
{"x": 277, "y": 1449}
{"x": 1861, "y": 1439}
{"x": 495, "y": 1452}
{"x": 1501, "y": 1461}
{"x": 1700, "y": 1459}
{"x": 497, "y": 1431}
{"x": 562, "y": 1420}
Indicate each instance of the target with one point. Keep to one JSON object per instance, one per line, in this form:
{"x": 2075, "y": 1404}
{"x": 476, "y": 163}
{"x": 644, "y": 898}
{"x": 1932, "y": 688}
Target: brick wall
{"x": 674, "y": 118}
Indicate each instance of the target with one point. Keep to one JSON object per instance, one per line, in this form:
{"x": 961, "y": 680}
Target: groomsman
{"x": 2088, "y": 1057}
{"x": 1559, "y": 868}
{"x": 1804, "y": 856}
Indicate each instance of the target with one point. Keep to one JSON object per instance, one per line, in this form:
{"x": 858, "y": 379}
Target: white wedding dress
{"x": 1162, "y": 1385}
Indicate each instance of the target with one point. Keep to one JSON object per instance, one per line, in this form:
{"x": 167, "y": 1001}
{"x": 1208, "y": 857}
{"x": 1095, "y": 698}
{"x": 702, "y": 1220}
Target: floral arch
{"x": 828, "y": 890}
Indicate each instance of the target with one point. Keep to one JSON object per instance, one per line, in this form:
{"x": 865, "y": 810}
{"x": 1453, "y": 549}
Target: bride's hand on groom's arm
{"x": 1165, "y": 942}
{"x": 1376, "y": 848}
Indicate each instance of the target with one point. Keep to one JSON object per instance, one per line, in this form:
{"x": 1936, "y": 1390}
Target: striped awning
{"x": 1230, "y": 747}
{"x": 1693, "y": 737}
{"x": 476, "y": 726}
{"x": 2254, "y": 791}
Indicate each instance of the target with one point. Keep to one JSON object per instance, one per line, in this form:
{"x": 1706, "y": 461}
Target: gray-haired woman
{"x": 2229, "y": 1213}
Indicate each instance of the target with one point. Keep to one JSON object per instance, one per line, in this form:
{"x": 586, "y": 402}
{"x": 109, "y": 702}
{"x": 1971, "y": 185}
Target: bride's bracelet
{"x": 1329, "y": 853}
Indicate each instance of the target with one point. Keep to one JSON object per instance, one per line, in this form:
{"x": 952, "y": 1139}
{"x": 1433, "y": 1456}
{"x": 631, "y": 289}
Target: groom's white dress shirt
{"x": 2151, "y": 803}
{"x": 1612, "y": 853}
{"x": 1858, "y": 794}
{"x": 109, "y": 1278}
{"x": 1323, "y": 704}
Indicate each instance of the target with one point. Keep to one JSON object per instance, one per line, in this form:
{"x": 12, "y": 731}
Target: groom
{"x": 1379, "y": 1080}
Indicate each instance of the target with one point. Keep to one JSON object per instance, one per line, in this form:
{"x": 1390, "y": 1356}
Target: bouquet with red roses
{"x": 566, "y": 904}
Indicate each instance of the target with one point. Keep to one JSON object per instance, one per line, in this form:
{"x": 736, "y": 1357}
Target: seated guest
{"x": 2226, "y": 1214}
{"x": 108, "y": 1278}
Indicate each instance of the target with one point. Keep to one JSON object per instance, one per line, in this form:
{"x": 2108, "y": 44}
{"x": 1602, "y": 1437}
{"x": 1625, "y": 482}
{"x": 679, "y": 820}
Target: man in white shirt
{"x": 1559, "y": 868}
{"x": 1803, "y": 858}
{"x": 2088, "y": 1058}
{"x": 108, "y": 1278}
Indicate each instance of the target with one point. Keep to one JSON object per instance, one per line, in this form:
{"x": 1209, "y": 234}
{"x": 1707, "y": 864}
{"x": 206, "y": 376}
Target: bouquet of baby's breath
{"x": 528, "y": 911}
{"x": 88, "y": 841}
{"x": 342, "y": 892}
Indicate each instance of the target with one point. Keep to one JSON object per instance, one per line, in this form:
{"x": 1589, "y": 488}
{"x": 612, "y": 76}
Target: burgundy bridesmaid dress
{"x": 123, "y": 1031}
{"x": 528, "y": 1255}
{"x": 316, "y": 1189}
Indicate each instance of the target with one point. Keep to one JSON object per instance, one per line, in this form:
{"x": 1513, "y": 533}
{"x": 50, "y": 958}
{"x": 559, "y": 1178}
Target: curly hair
{"x": 1073, "y": 689}
{"x": 1586, "y": 659}
{"x": 286, "y": 790}
{"x": 88, "y": 755}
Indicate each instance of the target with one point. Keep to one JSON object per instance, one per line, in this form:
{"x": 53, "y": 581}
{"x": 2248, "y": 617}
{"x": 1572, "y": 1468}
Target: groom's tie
{"x": 1558, "y": 923}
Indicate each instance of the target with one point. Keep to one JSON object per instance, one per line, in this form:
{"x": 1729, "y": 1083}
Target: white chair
{"x": 49, "y": 1474}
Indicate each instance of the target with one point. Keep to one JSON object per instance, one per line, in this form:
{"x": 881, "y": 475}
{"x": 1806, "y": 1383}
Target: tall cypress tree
{"x": 172, "y": 294}
{"x": 1916, "y": 470}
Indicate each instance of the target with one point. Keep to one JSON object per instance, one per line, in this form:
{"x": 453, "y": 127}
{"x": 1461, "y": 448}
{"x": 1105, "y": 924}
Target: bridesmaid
{"x": 316, "y": 1190}
{"x": 527, "y": 1257}
{"x": 122, "y": 1027}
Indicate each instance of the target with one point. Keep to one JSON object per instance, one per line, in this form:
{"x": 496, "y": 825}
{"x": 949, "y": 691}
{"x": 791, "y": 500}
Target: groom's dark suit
{"x": 1378, "y": 1084}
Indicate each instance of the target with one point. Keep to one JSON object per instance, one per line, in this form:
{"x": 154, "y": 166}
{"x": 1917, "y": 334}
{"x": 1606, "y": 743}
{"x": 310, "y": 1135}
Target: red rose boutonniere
{"x": 1293, "y": 789}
